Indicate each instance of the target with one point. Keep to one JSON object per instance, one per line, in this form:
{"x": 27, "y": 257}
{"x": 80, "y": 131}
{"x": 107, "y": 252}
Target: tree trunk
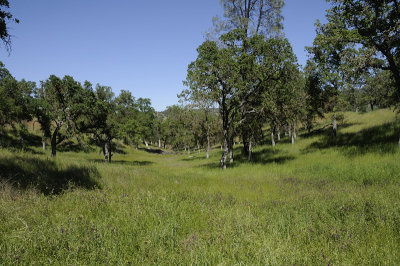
{"x": 54, "y": 142}
{"x": 372, "y": 106}
{"x": 105, "y": 152}
{"x": 21, "y": 141}
{"x": 279, "y": 134}
{"x": 294, "y": 130}
{"x": 109, "y": 151}
{"x": 393, "y": 66}
{"x": 208, "y": 142}
{"x": 43, "y": 145}
{"x": 147, "y": 144}
{"x": 334, "y": 125}
{"x": 249, "y": 153}
{"x": 272, "y": 139}
{"x": 399, "y": 139}
{"x": 245, "y": 145}
{"x": 225, "y": 127}
{"x": 231, "y": 150}
{"x": 159, "y": 143}
{"x": 225, "y": 151}
{"x": 293, "y": 134}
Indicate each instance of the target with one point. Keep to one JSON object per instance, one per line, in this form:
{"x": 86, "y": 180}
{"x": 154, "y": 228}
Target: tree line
{"x": 245, "y": 77}
{"x": 67, "y": 109}
{"x": 88, "y": 115}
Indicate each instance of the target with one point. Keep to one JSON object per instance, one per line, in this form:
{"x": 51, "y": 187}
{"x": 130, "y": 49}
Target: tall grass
{"x": 320, "y": 201}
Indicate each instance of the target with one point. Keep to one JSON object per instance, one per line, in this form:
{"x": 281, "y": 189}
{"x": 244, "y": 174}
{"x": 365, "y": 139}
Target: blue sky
{"x": 141, "y": 46}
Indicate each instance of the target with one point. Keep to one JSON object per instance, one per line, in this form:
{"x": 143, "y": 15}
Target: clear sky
{"x": 141, "y": 46}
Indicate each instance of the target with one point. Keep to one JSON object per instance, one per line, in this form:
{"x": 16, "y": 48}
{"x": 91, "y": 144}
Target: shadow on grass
{"x": 150, "y": 150}
{"x": 70, "y": 146}
{"x": 15, "y": 144}
{"x": 242, "y": 161}
{"x": 326, "y": 129}
{"x": 46, "y": 175}
{"x": 119, "y": 150}
{"x": 193, "y": 158}
{"x": 267, "y": 155}
{"x": 26, "y": 150}
{"x": 379, "y": 139}
{"x": 11, "y": 141}
{"x": 133, "y": 163}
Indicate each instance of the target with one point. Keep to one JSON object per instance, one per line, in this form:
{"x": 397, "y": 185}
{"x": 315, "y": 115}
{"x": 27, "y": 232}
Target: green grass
{"x": 320, "y": 201}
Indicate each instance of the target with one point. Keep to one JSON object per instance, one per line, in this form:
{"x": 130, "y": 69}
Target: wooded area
{"x": 262, "y": 162}
{"x": 246, "y": 77}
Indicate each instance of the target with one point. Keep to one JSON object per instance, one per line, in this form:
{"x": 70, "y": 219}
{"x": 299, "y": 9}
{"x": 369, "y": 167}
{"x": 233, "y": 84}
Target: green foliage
{"x": 145, "y": 118}
{"x": 333, "y": 60}
{"x": 283, "y": 95}
{"x": 252, "y": 79}
{"x": 371, "y": 26}
{"x": 314, "y": 105}
{"x": 379, "y": 89}
{"x": 62, "y": 106}
{"x": 16, "y": 102}
{"x": 135, "y": 118}
{"x": 178, "y": 127}
{"x": 68, "y": 110}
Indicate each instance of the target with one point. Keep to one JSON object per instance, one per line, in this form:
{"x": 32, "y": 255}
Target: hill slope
{"x": 320, "y": 201}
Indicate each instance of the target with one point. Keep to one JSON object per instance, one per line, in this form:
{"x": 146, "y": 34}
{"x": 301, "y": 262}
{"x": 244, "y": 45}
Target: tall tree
{"x": 253, "y": 17}
{"x": 216, "y": 72}
{"x": 238, "y": 81}
{"x": 280, "y": 80}
{"x": 100, "y": 118}
{"x": 334, "y": 62}
{"x": 62, "y": 101}
{"x": 126, "y": 118}
{"x": 145, "y": 117}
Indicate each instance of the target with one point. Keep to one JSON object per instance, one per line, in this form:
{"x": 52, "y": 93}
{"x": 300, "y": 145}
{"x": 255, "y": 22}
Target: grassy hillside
{"x": 320, "y": 201}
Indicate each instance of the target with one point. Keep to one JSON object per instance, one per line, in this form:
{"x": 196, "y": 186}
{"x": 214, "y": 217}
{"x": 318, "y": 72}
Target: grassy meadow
{"x": 321, "y": 201}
